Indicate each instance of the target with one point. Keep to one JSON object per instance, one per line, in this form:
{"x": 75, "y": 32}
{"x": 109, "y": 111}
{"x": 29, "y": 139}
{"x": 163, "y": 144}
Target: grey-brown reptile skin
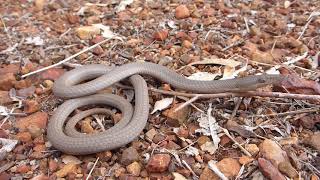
{"x": 133, "y": 120}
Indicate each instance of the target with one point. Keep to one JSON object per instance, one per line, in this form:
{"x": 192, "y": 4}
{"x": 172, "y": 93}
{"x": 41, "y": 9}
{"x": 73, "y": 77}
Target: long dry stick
{"x": 241, "y": 94}
{"x": 309, "y": 110}
{"x": 65, "y": 60}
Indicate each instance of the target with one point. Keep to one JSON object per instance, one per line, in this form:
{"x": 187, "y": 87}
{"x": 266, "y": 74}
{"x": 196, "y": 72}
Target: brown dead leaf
{"x": 182, "y": 12}
{"x": 313, "y": 141}
{"x": 308, "y": 121}
{"x": 263, "y": 57}
{"x": 161, "y": 35}
{"x": 294, "y": 84}
{"x": 234, "y": 126}
{"x": 269, "y": 170}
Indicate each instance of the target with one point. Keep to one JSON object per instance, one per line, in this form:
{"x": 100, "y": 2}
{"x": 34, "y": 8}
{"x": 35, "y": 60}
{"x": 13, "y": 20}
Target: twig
{"x": 216, "y": 170}
{"x": 97, "y": 4}
{"x": 208, "y": 33}
{"x": 306, "y": 25}
{"x": 296, "y": 59}
{"x": 293, "y": 99}
{"x": 187, "y": 103}
{"x": 234, "y": 94}
{"x": 312, "y": 40}
{"x": 85, "y": 60}
{"x": 235, "y": 142}
{"x": 148, "y": 46}
{"x": 218, "y": 30}
{"x": 94, "y": 165}
{"x": 273, "y": 46}
{"x": 304, "y": 69}
{"x": 234, "y": 112}
{"x": 233, "y": 44}
{"x": 4, "y": 24}
{"x": 194, "y": 106}
{"x": 9, "y": 114}
{"x": 260, "y": 63}
{"x": 9, "y": 49}
{"x": 240, "y": 172}
{"x": 99, "y": 122}
{"x": 6, "y": 166}
{"x": 241, "y": 94}
{"x": 188, "y": 145}
{"x": 63, "y": 34}
{"x": 246, "y": 23}
{"x": 65, "y": 60}
{"x": 189, "y": 168}
{"x": 310, "y": 166}
{"x": 174, "y": 153}
{"x": 58, "y": 47}
{"x": 309, "y": 110}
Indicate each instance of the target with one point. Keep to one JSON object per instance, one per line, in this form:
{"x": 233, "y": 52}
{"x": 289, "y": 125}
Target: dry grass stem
{"x": 65, "y": 60}
{"x": 94, "y": 165}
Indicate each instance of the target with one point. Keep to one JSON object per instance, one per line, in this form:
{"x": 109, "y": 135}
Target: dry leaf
{"x": 209, "y": 127}
{"x": 161, "y": 35}
{"x": 209, "y": 147}
{"x": 106, "y": 32}
{"x": 123, "y": 4}
{"x": 8, "y": 144}
{"x": 192, "y": 151}
{"x": 228, "y": 72}
{"x": 172, "y": 25}
{"x": 162, "y": 104}
{"x": 203, "y": 76}
{"x": 71, "y": 159}
{"x": 273, "y": 70}
{"x": 234, "y": 126}
{"x": 296, "y": 84}
{"x": 35, "y": 40}
{"x": 178, "y": 176}
{"x": 287, "y": 4}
